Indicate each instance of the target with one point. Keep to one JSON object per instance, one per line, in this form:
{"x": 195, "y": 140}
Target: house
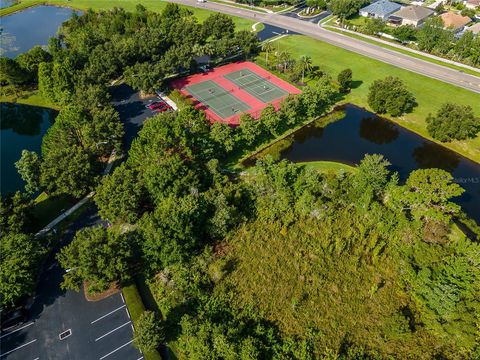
{"x": 410, "y": 15}
{"x": 472, "y": 4}
{"x": 380, "y": 9}
{"x": 454, "y": 21}
{"x": 475, "y": 29}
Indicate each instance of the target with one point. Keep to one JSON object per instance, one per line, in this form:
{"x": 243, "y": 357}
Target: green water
{"x": 22, "y": 127}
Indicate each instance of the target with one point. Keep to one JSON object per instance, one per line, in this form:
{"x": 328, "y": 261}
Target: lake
{"x": 361, "y": 132}
{"x": 22, "y": 127}
{"x": 33, "y": 26}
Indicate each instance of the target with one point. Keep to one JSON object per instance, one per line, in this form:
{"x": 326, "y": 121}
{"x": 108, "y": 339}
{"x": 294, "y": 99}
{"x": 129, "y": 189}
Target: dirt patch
{"x": 113, "y": 289}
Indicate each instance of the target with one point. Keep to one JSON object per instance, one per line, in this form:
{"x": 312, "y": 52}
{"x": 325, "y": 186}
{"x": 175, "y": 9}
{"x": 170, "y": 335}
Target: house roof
{"x": 381, "y": 8}
{"x": 454, "y": 20}
{"x": 474, "y": 28}
{"x": 413, "y": 12}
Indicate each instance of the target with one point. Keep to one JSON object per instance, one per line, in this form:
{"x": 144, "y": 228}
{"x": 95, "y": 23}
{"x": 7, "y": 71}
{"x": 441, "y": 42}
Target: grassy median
{"x": 430, "y": 93}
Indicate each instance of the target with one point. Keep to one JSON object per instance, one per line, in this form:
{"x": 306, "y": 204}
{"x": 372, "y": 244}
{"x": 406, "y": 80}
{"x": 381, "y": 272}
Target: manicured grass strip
{"x": 136, "y": 308}
{"x": 46, "y": 208}
{"x": 328, "y": 166}
{"x": 129, "y": 5}
{"x": 406, "y": 52}
{"x": 29, "y": 97}
{"x": 239, "y": 6}
{"x": 430, "y": 93}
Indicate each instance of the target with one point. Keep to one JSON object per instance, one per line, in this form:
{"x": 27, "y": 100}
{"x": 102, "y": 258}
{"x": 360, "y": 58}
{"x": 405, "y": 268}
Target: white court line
{"x": 14, "y": 331}
{"x": 120, "y": 347}
{"x": 111, "y": 331}
{"x": 110, "y": 313}
{"x": 21, "y": 346}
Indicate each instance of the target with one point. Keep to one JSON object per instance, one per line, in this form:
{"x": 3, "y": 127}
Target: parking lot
{"x": 99, "y": 330}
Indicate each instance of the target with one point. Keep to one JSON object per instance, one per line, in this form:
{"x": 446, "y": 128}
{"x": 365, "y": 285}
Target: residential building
{"x": 410, "y": 15}
{"x": 380, "y": 9}
{"x": 475, "y": 29}
{"x": 472, "y": 4}
{"x": 454, "y": 21}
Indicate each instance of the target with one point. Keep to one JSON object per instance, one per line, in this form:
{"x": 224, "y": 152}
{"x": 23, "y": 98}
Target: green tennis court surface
{"x": 217, "y": 99}
{"x": 257, "y": 86}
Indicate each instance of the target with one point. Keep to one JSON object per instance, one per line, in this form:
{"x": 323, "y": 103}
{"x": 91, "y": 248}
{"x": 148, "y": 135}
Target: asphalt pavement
{"x": 91, "y": 330}
{"x": 310, "y": 29}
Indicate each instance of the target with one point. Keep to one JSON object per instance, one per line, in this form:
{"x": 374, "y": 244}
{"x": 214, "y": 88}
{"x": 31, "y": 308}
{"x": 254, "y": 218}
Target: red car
{"x": 162, "y": 108}
{"x": 156, "y": 105}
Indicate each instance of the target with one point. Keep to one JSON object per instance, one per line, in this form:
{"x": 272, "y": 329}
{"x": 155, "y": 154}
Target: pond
{"x": 361, "y": 132}
{"x": 22, "y": 127}
{"x": 34, "y": 26}
{"x": 6, "y": 3}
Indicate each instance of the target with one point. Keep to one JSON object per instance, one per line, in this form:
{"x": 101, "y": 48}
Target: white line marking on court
{"x": 111, "y": 331}
{"x": 120, "y": 347}
{"x": 14, "y": 331}
{"x": 110, "y": 313}
{"x": 128, "y": 314}
{"x": 21, "y": 346}
{"x": 123, "y": 300}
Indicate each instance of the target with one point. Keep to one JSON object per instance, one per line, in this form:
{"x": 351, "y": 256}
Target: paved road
{"x": 419, "y": 66}
{"x": 100, "y": 330}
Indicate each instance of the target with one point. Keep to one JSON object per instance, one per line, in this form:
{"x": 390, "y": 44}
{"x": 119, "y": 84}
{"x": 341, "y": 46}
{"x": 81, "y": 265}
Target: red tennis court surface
{"x": 226, "y": 92}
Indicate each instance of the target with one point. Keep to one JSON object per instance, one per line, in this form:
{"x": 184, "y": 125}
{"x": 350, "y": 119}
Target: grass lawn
{"x": 429, "y": 93}
{"x": 328, "y": 166}
{"x": 136, "y": 308}
{"x": 29, "y": 97}
{"x": 154, "y": 5}
{"x": 47, "y": 208}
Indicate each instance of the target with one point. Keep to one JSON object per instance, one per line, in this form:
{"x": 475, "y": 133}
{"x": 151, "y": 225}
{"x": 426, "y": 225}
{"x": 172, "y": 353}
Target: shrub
{"x": 344, "y": 79}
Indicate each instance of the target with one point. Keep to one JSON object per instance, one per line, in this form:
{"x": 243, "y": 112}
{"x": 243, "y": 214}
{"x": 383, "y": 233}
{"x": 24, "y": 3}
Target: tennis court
{"x": 257, "y": 86}
{"x": 228, "y": 91}
{"x": 217, "y": 99}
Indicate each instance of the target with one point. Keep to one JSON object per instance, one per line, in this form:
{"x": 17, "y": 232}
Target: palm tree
{"x": 306, "y": 65}
{"x": 267, "y": 47}
{"x": 285, "y": 58}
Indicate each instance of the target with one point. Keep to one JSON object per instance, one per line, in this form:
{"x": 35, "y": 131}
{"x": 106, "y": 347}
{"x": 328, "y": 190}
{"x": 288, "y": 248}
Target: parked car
{"x": 163, "y": 108}
{"x": 155, "y": 105}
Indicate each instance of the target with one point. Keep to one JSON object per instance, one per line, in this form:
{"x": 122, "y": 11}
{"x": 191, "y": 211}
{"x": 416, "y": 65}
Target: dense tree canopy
{"x": 96, "y": 256}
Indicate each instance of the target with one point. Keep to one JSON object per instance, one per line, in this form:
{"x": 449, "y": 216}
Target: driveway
{"x": 312, "y": 19}
{"x": 94, "y": 330}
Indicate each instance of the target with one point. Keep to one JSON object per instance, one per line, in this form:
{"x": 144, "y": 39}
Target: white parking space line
{"x": 123, "y": 300}
{"x": 14, "y": 331}
{"x": 140, "y": 358}
{"x": 36, "y": 358}
{"x": 111, "y": 331}
{"x": 114, "y": 351}
{"x": 110, "y": 313}
{"x": 128, "y": 314}
{"x": 21, "y": 346}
